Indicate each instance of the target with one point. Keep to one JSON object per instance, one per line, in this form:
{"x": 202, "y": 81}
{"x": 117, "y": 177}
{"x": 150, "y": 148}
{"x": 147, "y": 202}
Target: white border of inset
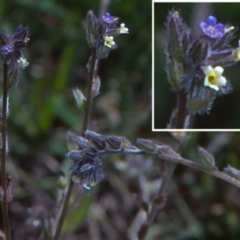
{"x": 153, "y": 42}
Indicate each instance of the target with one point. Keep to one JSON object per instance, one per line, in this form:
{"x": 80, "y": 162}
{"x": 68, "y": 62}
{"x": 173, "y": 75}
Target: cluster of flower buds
{"x": 87, "y": 167}
{"x": 85, "y": 152}
{"x": 11, "y": 49}
{"x": 101, "y": 33}
{"x": 195, "y": 64}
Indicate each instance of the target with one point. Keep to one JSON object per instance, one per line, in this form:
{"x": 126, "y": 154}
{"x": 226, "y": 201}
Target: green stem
{"x": 92, "y": 74}
{"x": 3, "y": 160}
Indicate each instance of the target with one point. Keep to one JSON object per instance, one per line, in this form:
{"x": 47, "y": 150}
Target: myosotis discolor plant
{"x": 87, "y": 148}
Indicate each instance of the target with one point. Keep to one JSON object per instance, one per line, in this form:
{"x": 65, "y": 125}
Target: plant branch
{"x": 213, "y": 172}
{"x": 174, "y": 158}
{"x": 3, "y": 155}
{"x": 92, "y": 74}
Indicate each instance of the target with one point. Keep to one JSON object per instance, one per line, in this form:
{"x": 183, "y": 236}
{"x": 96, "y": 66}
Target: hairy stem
{"x": 181, "y": 109}
{"x": 3, "y": 160}
{"x": 92, "y": 74}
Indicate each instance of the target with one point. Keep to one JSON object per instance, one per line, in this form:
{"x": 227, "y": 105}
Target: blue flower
{"x": 211, "y": 28}
{"x": 6, "y": 49}
{"x": 107, "y": 18}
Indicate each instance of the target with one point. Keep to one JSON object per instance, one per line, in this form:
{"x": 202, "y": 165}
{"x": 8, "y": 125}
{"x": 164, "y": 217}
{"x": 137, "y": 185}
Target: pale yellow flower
{"x": 109, "y": 41}
{"x": 213, "y": 77}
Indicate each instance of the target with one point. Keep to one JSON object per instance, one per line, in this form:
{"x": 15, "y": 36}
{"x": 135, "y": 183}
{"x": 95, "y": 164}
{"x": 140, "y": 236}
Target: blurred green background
{"x": 225, "y": 113}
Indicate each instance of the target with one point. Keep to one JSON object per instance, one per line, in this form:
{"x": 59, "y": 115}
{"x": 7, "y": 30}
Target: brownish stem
{"x": 6, "y": 224}
{"x": 92, "y": 73}
{"x": 181, "y": 109}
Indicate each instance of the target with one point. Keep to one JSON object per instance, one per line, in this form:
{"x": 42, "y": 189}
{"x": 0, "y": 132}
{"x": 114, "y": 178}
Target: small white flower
{"x": 214, "y": 78}
{"x": 22, "y": 62}
{"x": 123, "y": 29}
{"x": 109, "y": 41}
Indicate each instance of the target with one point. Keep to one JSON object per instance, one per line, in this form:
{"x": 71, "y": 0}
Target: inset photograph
{"x": 196, "y": 69}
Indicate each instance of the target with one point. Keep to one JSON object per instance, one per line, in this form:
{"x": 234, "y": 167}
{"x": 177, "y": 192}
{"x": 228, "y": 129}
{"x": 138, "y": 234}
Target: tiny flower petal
{"x": 123, "y": 29}
{"x": 214, "y": 78}
{"x": 109, "y": 41}
{"x": 219, "y": 70}
{"x": 211, "y": 20}
{"x": 107, "y": 18}
{"x": 22, "y": 62}
{"x": 228, "y": 29}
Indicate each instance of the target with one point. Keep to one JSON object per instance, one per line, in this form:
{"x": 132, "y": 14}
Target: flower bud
{"x": 147, "y": 145}
{"x": 92, "y": 23}
{"x": 97, "y": 139}
{"x": 114, "y": 142}
{"x": 207, "y": 158}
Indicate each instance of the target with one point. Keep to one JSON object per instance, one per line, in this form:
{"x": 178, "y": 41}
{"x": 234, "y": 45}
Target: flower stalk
{"x": 182, "y": 111}
{"x": 92, "y": 73}
{"x": 4, "y": 202}
{"x": 100, "y": 38}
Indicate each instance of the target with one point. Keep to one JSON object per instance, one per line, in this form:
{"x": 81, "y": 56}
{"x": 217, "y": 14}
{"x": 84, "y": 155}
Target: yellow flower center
{"x": 108, "y": 42}
{"x": 212, "y": 78}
